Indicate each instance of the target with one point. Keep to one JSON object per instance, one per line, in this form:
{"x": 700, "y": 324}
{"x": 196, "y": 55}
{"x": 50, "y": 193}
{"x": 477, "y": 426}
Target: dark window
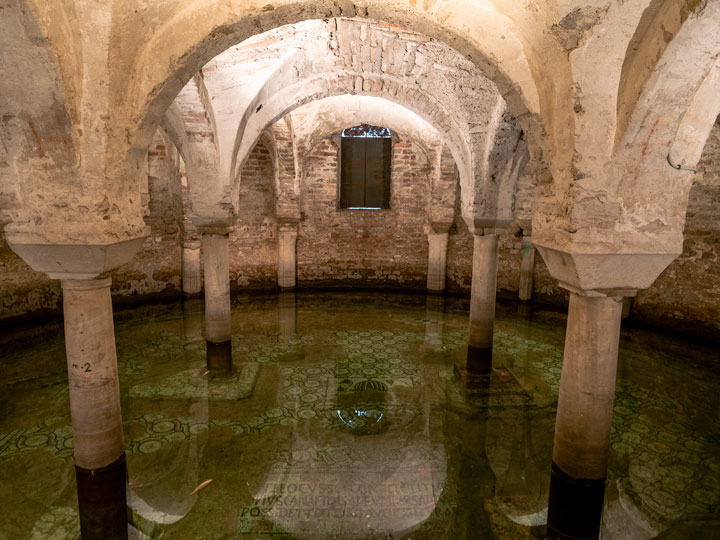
{"x": 365, "y": 167}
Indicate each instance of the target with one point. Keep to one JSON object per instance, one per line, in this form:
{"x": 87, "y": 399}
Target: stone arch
{"x": 625, "y": 228}
{"x": 406, "y": 68}
{"x": 495, "y": 50}
{"x": 190, "y": 121}
{"x": 658, "y": 25}
{"x": 280, "y": 138}
{"x": 323, "y": 86}
{"x": 674, "y": 117}
{"x": 333, "y": 114}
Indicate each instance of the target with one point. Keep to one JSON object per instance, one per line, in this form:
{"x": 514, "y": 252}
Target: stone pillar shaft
{"x": 437, "y": 261}
{"x": 482, "y": 299}
{"x": 287, "y": 244}
{"x": 217, "y": 288}
{"x": 191, "y": 269}
{"x": 527, "y": 270}
{"x": 584, "y": 416}
{"x": 92, "y": 373}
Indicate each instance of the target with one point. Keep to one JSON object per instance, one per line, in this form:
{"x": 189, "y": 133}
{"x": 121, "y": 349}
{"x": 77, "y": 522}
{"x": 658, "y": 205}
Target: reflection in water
{"x": 287, "y": 314}
{"x": 219, "y": 358}
{"x": 355, "y": 418}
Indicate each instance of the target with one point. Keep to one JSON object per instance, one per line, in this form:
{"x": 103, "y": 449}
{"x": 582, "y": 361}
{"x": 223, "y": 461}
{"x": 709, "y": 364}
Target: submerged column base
{"x": 479, "y": 360}
{"x": 219, "y": 357}
{"x": 575, "y": 506}
{"x": 102, "y": 501}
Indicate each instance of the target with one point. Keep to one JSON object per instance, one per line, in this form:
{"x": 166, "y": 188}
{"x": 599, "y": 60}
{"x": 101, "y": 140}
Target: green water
{"x": 344, "y": 417}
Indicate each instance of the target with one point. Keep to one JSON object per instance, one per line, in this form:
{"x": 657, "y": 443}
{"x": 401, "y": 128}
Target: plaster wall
{"x": 687, "y": 292}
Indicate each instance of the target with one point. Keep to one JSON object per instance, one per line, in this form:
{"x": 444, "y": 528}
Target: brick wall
{"x": 364, "y": 247}
{"x": 253, "y": 244}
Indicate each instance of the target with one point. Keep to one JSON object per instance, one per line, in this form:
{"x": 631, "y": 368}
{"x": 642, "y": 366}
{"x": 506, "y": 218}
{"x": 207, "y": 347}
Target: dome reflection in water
{"x": 351, "y": 417}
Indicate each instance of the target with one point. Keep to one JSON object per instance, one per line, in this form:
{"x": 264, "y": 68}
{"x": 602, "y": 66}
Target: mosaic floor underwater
{"x": 344, "y": 418}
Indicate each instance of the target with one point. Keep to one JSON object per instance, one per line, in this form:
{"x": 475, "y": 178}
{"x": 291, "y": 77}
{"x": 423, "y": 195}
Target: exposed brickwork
{"x": 364, "y": 247}
{"x": 253, "y": 244}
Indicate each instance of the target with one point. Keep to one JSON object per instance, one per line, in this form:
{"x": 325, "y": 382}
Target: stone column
{"x": 482, "y": 302}
{"x": 287, "y": 243}
{"x": 191, "y": 269}
{"x": 217, "y": 300}
{"x": 527, "y": 270}
{"x": 584, "y": 415}
{"x": 437, "y": 256}
{"x": 92, "y": 373}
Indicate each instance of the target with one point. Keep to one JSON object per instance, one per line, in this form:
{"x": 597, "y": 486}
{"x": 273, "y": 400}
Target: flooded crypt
{"x": 385, "y": 269}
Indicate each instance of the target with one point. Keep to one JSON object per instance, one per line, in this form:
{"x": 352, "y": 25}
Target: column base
{"x": 102, "y": 501}
{"x": 575, "y": 506}
{"x": 219, "y": 357}
{"x": 479, "y": 361}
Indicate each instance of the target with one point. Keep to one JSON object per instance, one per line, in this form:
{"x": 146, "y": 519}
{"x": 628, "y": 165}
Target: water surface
{"x": 345, "y": 417}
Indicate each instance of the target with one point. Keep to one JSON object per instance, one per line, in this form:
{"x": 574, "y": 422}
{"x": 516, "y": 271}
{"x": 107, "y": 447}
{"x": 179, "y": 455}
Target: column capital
{"x": 76, "y": 262}
{"x": 192, "y": 244}
{"x": 214, "y": 225}
{"x": 287, "y": 210}
{"x": 288, "y": 225}
{"x": 476, "y": 224}
{"x": 440, "y": 227}
{"x": 607, "y": 274}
